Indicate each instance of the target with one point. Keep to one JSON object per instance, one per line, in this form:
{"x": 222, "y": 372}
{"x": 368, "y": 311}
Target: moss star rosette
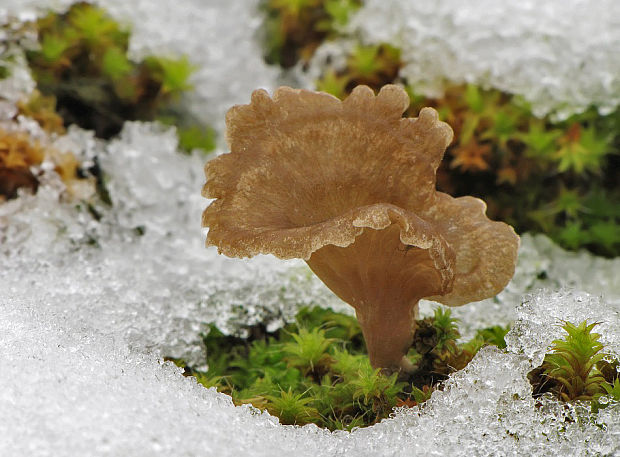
{"x": 350, "y": 188}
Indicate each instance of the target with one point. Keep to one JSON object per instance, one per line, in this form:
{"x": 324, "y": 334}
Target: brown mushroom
{"x": 350, "y": 187}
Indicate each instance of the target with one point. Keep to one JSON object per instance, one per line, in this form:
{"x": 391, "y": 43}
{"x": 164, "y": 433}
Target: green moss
{"x": 293, "y": 29}
{"x": 308, "y": 352}
{"x": 172, "y": 74}
{"x": 436, "y": 352}
{"x": 316, "y": 370}
{"x": 372, "y": 65}
{"x": 195, "y": 137}
{"x": 307, "y": 372}
{"x": 292, "y": 408}
{"x": 577, "y": 369}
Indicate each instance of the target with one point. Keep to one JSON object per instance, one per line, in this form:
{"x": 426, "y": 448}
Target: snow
{"x": 560, "y": 55}
{"x": 90, "y": 306}
{"x": 69, "y": 389}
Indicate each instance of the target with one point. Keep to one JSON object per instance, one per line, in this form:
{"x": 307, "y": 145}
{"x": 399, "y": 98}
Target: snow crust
{"x": 91, "y": 299}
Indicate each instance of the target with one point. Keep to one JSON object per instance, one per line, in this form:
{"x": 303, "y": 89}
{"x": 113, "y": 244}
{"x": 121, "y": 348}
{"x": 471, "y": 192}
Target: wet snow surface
{"x": 89, "y": 307}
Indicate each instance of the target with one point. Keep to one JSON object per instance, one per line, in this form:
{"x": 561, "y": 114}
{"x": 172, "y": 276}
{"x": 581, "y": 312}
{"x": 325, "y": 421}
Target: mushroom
{"x": 349, "y": 186}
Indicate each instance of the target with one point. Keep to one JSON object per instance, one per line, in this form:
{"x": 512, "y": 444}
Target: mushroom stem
{"x": 388, "y": 335}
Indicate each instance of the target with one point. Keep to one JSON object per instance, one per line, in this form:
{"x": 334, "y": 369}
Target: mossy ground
{"x": 577, "y": 368}
{"x": 317, "y": 370}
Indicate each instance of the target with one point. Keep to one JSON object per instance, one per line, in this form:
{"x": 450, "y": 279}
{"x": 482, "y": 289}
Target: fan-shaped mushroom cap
{"x": 350, "y": 187}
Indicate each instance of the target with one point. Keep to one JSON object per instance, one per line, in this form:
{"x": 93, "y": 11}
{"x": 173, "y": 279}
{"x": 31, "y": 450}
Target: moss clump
{"x": 371, "y": 65}
{"x": 317, "y": 371}
{"x": 293, "y": 29}
{"x": 82, "y": 63}
{"x": 435, "y": 350}
{"x": 577, "y": 369}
